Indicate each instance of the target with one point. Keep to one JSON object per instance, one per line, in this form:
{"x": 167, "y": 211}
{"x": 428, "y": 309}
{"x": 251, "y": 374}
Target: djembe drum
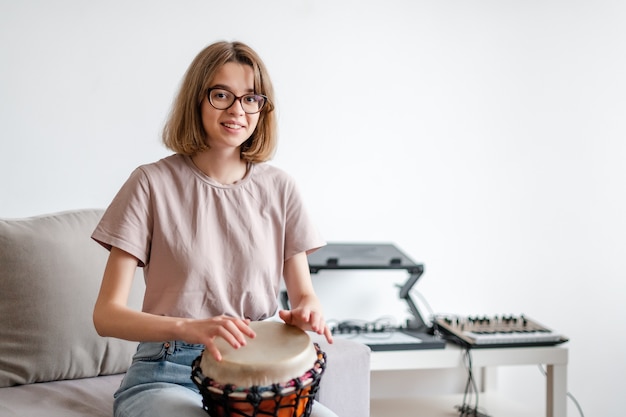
{"x": 275, "y": 374}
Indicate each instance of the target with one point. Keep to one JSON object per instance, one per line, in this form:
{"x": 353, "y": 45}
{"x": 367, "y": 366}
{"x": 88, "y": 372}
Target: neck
{"x": 223, "y": 168}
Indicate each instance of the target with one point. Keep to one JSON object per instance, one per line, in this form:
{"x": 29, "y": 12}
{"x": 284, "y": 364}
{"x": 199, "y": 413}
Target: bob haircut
{"x": 183, "y": 132}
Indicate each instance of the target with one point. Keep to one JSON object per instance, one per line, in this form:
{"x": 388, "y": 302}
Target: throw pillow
{"x": 50, "y": 273}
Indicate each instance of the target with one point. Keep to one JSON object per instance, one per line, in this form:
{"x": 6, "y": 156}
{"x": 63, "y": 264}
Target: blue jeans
{"x": 158, "y": 384}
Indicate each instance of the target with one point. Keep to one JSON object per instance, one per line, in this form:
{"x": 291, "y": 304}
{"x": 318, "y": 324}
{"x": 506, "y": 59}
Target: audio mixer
{"x": 496, "y": 331}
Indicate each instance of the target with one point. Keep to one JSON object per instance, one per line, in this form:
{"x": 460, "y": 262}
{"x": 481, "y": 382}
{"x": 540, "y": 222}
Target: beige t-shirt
{"x": 208, "y": 248}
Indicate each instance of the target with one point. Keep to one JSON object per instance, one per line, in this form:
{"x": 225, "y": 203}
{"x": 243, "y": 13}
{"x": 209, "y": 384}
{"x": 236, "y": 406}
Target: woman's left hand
{"x": 307, "y": 319}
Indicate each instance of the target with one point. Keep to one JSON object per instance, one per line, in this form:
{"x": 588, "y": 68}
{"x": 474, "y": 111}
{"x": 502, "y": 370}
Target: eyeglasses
{"x": 222, "y": 99}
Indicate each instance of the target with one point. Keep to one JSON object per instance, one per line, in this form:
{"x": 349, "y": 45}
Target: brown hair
{"x": 183, "y": 132}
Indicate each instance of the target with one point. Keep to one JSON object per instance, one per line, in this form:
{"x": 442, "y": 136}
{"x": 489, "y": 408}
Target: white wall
{"x": 485, "y": 138}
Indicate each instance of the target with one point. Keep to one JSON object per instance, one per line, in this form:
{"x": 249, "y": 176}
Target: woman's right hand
{"x": 233, "y": 330}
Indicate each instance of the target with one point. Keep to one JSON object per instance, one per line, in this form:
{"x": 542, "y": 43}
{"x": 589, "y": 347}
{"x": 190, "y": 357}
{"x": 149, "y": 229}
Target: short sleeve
{"x": 128, "y": 221}
{"x": 301, "y": 234}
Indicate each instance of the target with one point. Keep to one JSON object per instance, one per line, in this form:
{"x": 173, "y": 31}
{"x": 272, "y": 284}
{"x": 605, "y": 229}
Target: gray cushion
{"x": 50, "y": 273}
{"x": 86, "y": 397}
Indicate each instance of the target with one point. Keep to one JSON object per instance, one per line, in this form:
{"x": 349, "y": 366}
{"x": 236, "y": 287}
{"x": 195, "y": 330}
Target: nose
{"x": 236, "y": 107}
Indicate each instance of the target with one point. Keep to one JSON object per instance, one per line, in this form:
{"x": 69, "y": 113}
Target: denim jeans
{"x": 158, "y": 384}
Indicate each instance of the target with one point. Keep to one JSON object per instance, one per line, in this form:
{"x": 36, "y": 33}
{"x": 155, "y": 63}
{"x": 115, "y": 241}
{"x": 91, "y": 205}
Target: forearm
{"x": 306, "y": 308}
{"x": 125, "y": 323}
{"x": 298, "y": 281}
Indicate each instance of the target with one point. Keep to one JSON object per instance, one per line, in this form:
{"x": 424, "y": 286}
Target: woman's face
{"x": 231, "y": 127}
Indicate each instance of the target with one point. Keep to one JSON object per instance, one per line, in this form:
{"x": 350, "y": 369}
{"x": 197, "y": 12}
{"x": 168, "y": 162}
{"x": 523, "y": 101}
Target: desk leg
{"x": 488, "y": 379}
{"x": 556, "y": 395}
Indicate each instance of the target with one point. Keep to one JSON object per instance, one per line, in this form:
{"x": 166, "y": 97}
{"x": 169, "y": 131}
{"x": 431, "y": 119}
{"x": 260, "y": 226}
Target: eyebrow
{"x": 225, "y": 87}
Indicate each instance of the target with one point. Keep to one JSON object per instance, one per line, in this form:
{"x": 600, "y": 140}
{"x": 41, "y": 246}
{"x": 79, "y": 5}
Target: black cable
{"x": 467, "y": 383}
{"x": 465, "y": 409}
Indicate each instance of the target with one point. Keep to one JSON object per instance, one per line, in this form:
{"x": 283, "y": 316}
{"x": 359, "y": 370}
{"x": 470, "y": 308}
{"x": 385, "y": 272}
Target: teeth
{"x": 232, "y": 126}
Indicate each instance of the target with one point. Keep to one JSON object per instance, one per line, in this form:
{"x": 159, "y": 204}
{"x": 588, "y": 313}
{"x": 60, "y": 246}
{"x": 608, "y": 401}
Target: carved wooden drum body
{"x": 276, "y": 374}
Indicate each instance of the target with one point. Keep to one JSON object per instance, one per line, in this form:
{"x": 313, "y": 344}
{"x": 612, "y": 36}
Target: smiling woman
{"x": 188, "y": 219}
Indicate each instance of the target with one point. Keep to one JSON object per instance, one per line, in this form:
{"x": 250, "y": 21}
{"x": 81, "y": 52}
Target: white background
{"x": 487, "y": 139}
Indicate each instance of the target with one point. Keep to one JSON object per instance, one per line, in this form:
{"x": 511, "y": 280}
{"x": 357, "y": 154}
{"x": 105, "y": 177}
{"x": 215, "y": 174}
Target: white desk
{"x": 486, "y": 361}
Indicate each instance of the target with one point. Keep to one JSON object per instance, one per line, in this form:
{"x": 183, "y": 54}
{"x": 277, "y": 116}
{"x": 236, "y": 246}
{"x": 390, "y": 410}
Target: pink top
{"x": 208, "y": 248}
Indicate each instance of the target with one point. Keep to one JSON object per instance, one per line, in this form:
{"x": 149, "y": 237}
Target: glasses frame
{"x": 235, "y": 99}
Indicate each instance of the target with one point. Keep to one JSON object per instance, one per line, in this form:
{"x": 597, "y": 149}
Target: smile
{"x": 232, "y": 125}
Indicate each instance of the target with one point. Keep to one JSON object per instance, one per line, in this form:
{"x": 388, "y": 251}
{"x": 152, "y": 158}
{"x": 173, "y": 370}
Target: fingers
{"x": 328, "y": 334}
{"x": 233, "y": 330}
{"x": 233, "y": 334}
{"x": 298, "y": 317}
{"x": 307, "y": 320}
{"x": 285, "y": 315}
{"x": 241, "y": 329}
{"x": 213, "y": 350}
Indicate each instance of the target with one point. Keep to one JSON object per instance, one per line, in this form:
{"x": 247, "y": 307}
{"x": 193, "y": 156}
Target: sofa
{"x": 52, "y": 361}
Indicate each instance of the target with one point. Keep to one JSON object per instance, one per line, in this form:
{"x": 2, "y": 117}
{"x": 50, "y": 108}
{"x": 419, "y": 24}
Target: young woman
{"x": 215, "y": 230}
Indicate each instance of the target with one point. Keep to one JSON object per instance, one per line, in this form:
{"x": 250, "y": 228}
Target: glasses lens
{"x": 252, "y": 103}
{"x": 221, "y": 99}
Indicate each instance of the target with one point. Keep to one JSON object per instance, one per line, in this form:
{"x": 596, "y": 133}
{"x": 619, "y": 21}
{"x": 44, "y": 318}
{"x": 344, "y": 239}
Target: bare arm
{"x": 112, "y": 317}
{"x": 306, "y": 311}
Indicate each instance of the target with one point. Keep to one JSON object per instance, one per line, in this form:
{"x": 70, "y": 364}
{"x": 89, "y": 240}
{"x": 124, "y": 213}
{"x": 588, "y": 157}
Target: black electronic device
{"x": 496, "y": 331}
{"x": 380, "y": 256}
{"x": 393, "y": 339}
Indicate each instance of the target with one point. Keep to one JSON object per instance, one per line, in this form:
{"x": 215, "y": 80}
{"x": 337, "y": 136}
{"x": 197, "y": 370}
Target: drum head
{"x": 278, "y": 353}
